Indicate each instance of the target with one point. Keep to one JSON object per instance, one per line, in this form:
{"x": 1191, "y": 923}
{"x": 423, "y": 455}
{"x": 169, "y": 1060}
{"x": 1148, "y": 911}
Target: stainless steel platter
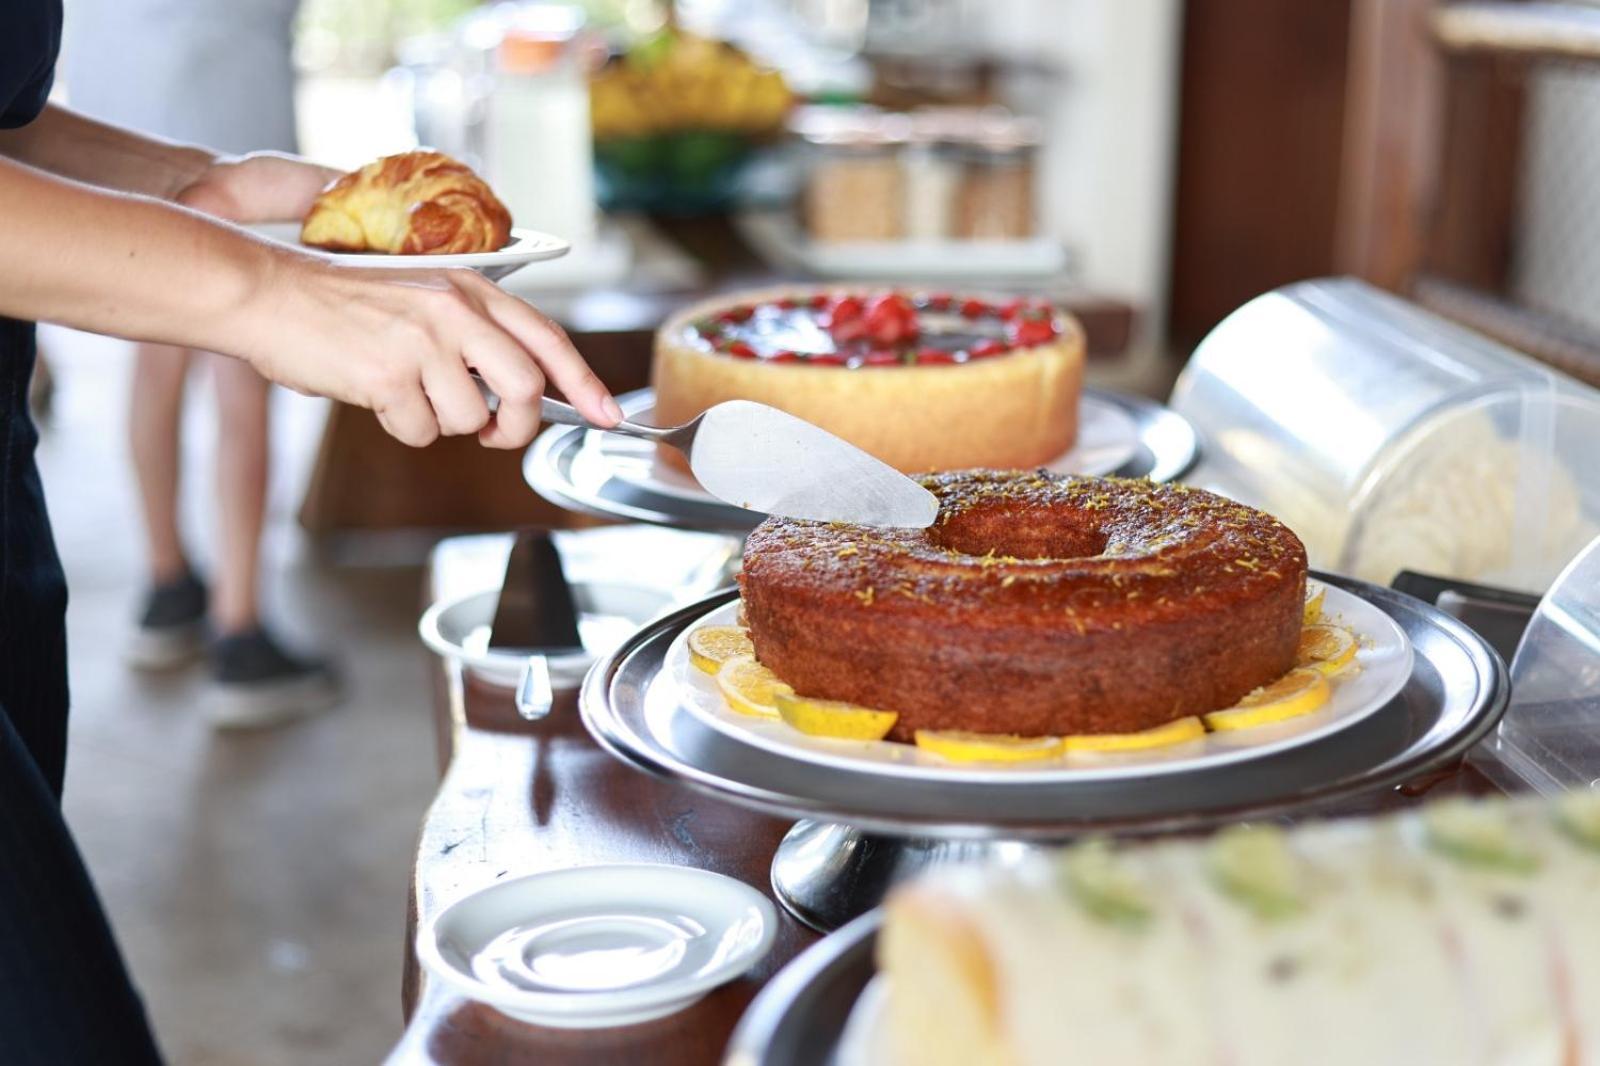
{"x": 863, "y": 831}
{"x": 1454, "y": 696}
{"x": 563, "y": 468}
{"x": 799, "y": 1017}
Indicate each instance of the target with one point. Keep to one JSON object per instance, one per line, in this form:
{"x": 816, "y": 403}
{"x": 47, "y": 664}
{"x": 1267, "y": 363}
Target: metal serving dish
{"x": 562, "y": 467}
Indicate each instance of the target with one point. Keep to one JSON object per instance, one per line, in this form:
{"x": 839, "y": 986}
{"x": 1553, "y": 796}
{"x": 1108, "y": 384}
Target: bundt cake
{"x": 924, "y": 382}
{"x": 1036, "y": 605}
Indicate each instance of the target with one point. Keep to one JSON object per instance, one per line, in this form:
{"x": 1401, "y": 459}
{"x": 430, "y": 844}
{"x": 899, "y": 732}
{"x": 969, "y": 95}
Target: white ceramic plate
{"x": 598, "y": 946}
{"x": 1107, "y": 438}
{"x": 1385, "y": 658}
{"x": 608, "y": 614}
{"x": 527, "y": 246}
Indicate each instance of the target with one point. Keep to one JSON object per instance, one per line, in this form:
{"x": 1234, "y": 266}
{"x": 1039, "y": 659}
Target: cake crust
{"x": 1037, "y": 605}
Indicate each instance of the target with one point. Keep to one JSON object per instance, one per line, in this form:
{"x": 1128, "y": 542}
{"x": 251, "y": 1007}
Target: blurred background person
{"x": 199, "y": 72}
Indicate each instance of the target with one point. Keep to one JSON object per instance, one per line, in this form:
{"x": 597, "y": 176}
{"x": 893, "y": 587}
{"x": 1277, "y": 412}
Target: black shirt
{"x": 33, "y": 675}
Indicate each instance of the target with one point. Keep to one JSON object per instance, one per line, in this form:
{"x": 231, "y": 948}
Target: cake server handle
{"x": 567, "y": 415}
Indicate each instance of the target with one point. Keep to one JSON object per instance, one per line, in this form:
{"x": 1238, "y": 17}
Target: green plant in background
{"x": 363, "y": 36}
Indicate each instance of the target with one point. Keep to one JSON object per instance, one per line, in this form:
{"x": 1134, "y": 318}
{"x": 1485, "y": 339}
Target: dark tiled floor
{"x": 257, "y": 882}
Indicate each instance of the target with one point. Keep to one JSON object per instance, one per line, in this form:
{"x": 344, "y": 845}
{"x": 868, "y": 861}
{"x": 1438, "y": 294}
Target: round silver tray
{"x": 1167, "y": 448}
{"x": 799, "y": 1017}
{"x": 861, "y": 831}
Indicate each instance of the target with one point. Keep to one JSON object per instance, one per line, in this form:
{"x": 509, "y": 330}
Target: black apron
{"x": 65, "y": 996}
{"x": 33, "y": 594}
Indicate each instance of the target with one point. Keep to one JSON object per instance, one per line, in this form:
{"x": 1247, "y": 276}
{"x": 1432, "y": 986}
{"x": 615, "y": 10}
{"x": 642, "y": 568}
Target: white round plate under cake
{"x": 527, "y": 246}
{"x": 1107, "y": 438}
{"x": 598, "y": 946}
{"x": 1384, "y": 656}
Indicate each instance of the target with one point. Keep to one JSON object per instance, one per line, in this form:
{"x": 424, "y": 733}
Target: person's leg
{"x": 65, "y": 995}
{"x": 243, "y": 443}
{"x": 155, "y": 423}
{"x": 171, "y": 629}
{"x": 260, "y": 682}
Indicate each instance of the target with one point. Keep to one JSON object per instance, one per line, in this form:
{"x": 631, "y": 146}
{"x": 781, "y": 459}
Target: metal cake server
{"x": 535, "y": 616}
{"x": 763, "y": 459}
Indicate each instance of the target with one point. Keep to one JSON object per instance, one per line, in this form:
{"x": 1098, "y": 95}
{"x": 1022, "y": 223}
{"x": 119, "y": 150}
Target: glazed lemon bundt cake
{"x": 1037, "y": 604}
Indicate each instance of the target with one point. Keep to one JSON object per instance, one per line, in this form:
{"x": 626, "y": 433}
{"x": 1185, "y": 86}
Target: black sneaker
{"x": 172, "y": 628}
{"x": 259, "y": 683}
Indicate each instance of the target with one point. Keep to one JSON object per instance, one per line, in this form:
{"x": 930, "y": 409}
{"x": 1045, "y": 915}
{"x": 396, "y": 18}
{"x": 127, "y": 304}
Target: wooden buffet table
{"x": 519, "y": 797}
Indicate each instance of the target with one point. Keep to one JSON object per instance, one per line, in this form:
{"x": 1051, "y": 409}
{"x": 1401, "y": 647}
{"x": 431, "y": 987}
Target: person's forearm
{"x": 129, "y": 266}
{"x": 75, "y": 146}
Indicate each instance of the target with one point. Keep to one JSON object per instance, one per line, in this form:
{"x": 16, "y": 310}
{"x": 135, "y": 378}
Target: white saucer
{"x": 608, "y": 614}
{"x": 598, "y": 946}
{"x": 1107, "y": 438}
{"x": 1384, "y": 655}
{"x": 527, "y": 246}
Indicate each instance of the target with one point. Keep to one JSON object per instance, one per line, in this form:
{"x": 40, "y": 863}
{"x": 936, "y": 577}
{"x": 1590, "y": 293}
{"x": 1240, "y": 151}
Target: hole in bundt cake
{"x": 1002, "y": 531}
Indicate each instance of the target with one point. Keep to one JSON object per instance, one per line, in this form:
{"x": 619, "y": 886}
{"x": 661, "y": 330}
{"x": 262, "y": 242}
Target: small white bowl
{"x": 607, "y": 615}
{"x": 598, "y": 946}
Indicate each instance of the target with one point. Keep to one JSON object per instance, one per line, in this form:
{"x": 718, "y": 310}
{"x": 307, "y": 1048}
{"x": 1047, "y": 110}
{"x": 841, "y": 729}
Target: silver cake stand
{"x": 859, "y": 831}
{"x": 566, "y": 467}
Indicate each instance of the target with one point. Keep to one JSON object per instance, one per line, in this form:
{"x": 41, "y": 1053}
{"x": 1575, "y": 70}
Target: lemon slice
{"x": 749, "y": 687}
{"x": 1326, "y": 648}
{"x": 711, "y": 646}
{"x": 834, "y": 718}
{"x": 959, "y": 746}
{"x": 1300, "y": 691}
{"x": 1161, "y": 736}
{"x": 1315, "y": 591}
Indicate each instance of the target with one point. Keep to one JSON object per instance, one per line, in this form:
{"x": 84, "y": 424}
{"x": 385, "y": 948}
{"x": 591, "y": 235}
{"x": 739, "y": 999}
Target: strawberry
{"x": 891, "y": 319}
{"x": 1028, "y": 331}
{"x": 845, "y": 319}
{"x": 973, "y": 308}
{"x": 830, "y": 359}
{"x": 881, "y": 357}
{"x": 984, "y": 349}
{"x": 932, "y": 356}
{"x": 939, "y": 301}
{"x": 819, "y": 301}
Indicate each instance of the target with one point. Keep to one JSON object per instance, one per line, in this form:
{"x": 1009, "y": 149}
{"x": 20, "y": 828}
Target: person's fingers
{"x": 260, "y": 187}
{"x": 512, "y": 376}
{"x": 458, "y": 406}
{"x": 405, "y": 413}
{"x": 552, "y": 349}
{"x": 213, "y": 198}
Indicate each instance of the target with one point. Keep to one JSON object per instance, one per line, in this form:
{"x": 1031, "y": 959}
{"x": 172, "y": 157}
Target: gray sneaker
{"x": 257, "y": 683}
{"x": 171, "y": 631}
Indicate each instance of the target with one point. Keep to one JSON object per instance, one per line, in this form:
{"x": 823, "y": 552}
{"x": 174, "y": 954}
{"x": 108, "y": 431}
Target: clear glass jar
{"x": 995, "y": 198}
{"x": 855, "y": 189}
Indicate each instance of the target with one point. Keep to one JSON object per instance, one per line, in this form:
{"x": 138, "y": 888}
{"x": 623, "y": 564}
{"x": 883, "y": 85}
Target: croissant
{"x": 414, "y": 203}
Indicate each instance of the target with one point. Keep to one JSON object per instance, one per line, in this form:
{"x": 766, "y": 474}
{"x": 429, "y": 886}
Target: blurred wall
{"x": 1108, "y": 186}
{"x": 1557, "y": 261}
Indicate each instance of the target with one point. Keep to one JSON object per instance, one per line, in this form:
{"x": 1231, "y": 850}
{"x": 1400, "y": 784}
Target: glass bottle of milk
{"x": 537, "y": 147}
